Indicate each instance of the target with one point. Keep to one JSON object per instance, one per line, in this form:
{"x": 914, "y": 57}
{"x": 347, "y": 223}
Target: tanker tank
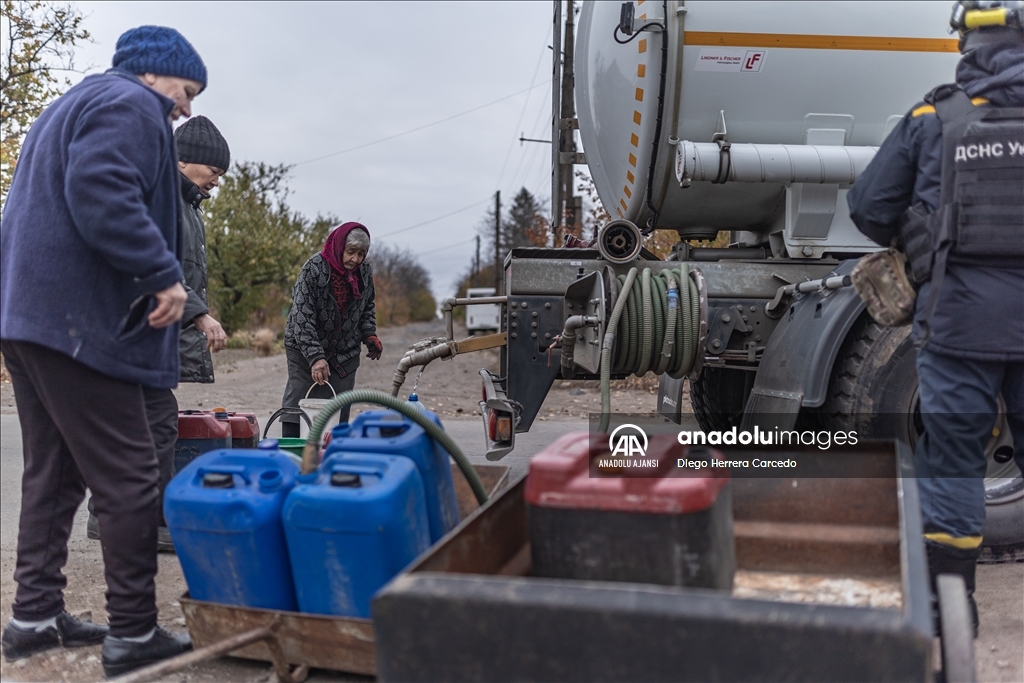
{"x": 832, "y": 78}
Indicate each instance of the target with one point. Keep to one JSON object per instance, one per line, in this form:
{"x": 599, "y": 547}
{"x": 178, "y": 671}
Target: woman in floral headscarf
{"x": 332, "y": 312}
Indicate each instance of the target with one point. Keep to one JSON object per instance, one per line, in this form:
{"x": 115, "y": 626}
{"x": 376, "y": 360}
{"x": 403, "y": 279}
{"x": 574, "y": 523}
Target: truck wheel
{"x": 718, "y": 397}
{"x": 873, "y": 389}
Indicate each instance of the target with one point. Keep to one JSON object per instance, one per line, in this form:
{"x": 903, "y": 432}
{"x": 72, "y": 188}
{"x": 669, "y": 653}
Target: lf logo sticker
{"x": 753, "y": 61}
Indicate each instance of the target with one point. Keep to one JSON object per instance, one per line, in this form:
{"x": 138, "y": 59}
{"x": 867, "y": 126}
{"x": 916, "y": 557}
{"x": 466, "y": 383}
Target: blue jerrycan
{"x": 224, "y": 514}
{"x": 351, "y": 526}
{"x": 388, "y": 432}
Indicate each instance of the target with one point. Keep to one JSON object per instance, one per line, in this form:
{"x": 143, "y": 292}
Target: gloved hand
{"x": 374, "y": 347}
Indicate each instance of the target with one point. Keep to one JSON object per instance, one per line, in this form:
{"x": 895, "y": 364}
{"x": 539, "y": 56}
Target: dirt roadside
{"x": 451, "y": 388}
{"x": 250, "y": 383}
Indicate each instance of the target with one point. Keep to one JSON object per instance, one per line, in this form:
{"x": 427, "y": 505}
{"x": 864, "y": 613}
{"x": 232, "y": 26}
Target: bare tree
{"x": 39, "y": 41}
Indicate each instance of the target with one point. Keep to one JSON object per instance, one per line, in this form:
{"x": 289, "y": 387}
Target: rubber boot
{"x": 946, "y": 559}
{"x": 290, "y": 430}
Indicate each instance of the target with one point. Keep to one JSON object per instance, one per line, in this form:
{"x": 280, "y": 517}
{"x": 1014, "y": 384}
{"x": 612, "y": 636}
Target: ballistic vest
{"x": 980, "y": 220}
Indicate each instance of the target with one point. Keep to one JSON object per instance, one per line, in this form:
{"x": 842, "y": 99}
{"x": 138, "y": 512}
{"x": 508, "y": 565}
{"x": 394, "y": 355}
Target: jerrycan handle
{"x": 400, "y": 427}
{"x": 224, "y": 469}
{"x": 365, "y": 470}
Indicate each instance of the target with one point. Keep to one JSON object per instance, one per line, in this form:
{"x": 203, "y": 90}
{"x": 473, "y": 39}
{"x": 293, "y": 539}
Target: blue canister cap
{"x": 267, "y": 445}
{"x": 270, "y": 480}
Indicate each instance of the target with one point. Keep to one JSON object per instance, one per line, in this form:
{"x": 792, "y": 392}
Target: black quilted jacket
{"x": 315, "y": 327}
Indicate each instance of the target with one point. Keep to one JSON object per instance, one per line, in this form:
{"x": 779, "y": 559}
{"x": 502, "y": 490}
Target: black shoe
{"x": 121, "y": 656}
{"x": 163, "y": 535}
{"x": 77, "y": 633}
{"x": 19, "y": 643}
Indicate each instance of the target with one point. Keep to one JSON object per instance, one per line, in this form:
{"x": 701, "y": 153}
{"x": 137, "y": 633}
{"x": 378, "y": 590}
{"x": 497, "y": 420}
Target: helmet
{"x": 980, "y": 22}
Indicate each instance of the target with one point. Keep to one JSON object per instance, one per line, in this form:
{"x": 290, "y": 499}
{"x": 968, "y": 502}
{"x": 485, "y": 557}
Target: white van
{"x": 482, "y": 317}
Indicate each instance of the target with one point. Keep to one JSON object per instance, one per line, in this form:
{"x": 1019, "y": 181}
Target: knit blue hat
{"x": 159, "y": 50}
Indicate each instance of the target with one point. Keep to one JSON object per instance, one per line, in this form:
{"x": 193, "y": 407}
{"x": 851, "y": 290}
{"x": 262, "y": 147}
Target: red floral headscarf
{"x": 334, "y": 253}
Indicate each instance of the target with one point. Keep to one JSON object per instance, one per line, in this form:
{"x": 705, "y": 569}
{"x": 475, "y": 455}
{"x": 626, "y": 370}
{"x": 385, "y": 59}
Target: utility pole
{"x": 556, "y": 121}
{"x": 497, "y": 242}
{"x": 476, "y": 261}
{"x": 566, "y": 214}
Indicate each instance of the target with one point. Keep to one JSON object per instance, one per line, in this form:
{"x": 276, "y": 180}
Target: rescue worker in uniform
{"x": 959, "y": 215}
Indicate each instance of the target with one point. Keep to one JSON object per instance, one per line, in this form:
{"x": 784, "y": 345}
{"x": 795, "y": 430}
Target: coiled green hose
{"x": 656, "y": 322}
{"x": 311, "y": 452}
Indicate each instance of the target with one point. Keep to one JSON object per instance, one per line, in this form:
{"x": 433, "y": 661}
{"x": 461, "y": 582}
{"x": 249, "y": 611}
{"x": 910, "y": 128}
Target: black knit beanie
{"x": 199, "y": 142}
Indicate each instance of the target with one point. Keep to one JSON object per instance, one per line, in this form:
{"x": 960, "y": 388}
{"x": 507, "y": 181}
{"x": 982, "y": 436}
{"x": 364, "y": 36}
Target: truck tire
{"x": 873, "y": 389}
{"x": 718, "y": 397}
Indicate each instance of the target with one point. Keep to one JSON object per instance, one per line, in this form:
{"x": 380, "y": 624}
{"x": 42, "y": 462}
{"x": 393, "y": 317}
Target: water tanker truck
{"x": 752, "y": 118}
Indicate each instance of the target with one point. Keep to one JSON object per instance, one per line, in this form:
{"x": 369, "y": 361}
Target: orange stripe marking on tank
{"x": 619, "y": 212}
{"x": 641, "y": 70}
{"x": 623, "y": 203}
{"x": 627, "y": 191}
{"x": 642, "y": 47}
{"x": 636, "y": 117}
{"x": 643, "y": 17}
{"x": 632, "y": 160}
{"x": 639, "y": 94}
{"x": 639, "y": 2}
{"x": 630, "y": 177}
{"x": 820, "y": 42}
{"x": 634, "y": 139}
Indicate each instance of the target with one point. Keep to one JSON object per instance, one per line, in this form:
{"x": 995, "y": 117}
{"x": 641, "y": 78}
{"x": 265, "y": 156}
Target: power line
{"x": 448, "y": 246}
{"x": 418, "y": 128}
{"x": 434, "y": 220}
{"x": 526, "y": 102}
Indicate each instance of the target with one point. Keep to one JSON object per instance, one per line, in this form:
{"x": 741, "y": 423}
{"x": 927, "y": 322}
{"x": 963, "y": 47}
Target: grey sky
{"x": 290, "y": 82}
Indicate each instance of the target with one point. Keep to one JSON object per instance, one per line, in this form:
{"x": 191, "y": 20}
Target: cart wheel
{"x": 957, "y": 630}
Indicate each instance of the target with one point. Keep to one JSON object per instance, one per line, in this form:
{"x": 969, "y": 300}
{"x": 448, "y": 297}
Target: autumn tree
{"x": 255, "y": 244}
{"x": 39, "y": 40}
{"x": 525, "y": 225}
{"x": 402, "y": 286}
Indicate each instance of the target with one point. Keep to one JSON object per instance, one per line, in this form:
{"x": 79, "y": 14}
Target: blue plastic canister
{"x": 351, "y": 527}
{"x": 224, "y": 514}
{"x": 388, "y": 432}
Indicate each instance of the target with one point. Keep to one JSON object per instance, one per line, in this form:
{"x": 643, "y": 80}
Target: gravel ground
{"x": 451, "y": 388}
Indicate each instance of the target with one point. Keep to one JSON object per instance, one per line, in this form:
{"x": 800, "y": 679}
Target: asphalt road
{"x": 1000, "y": 648}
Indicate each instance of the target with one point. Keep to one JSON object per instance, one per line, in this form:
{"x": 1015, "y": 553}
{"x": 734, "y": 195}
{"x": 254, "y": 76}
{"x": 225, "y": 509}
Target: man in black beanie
{"x": 203, "y": 157}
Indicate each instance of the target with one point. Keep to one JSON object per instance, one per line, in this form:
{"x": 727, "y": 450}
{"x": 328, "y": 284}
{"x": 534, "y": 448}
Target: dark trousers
{"x": 959, "y": 407}
{"x": 162, "y": 415}
{"x": 81, "y": 428}
{"x": 300, "y": 379}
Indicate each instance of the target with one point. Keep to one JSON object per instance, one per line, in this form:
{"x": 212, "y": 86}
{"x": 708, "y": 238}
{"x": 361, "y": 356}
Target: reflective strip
{"x": 962, "y": 542}
{"x": 813, "y": 42}
{"x": 985, "y": 17}
{"x": 929, "y": 109}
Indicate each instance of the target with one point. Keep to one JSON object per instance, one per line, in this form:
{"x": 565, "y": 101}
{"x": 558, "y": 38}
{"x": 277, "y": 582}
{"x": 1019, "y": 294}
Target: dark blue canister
{"x": 224, "y": 514}
{"x": 388, "y": 432}
{"x": 351, "y": 527}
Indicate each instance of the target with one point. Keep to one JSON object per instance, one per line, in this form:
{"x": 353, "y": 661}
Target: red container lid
{"x": 243, "y": 425}
{"x": 565, "y": 475}
{"x": 202, "y": 424}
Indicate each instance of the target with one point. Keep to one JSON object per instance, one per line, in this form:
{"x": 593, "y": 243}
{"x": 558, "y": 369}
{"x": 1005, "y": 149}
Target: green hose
{"x": 655, "y": 331}
{"x": 311, "y": 453}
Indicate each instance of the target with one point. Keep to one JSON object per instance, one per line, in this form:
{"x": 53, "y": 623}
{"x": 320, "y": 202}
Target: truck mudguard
{"x": 798, "y": 358}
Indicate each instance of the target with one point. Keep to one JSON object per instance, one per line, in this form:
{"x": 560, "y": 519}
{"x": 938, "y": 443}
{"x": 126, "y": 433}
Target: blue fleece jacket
{"x": 90, "y": 231}
{"x": 980, "y": 313}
